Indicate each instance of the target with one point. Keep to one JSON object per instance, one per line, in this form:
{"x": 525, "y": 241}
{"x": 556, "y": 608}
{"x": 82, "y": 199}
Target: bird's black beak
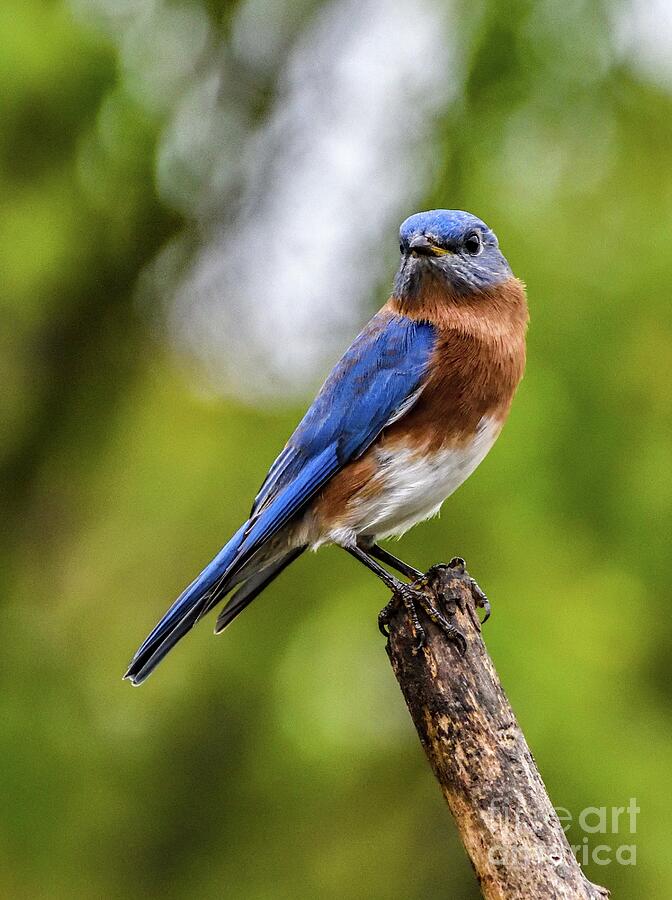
{"x": 420, "y": 245}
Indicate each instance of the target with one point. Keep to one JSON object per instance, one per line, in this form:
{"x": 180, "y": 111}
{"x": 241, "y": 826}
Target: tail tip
{"x": 136, "y": 678}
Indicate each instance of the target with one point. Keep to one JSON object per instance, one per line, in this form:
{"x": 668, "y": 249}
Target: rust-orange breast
{"x": 475, "y": 369}
{"x": 476, "y": 366}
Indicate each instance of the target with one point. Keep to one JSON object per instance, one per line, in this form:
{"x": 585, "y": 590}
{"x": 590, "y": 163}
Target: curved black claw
{"x": 384, "y": 617}
{"x": 480, "y": 599}
{"x": 383, "y": 627}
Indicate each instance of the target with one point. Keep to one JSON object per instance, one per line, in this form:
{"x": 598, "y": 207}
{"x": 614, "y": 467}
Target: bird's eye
{"x": 473, "y": 243}
{"x": 401, "y": 247}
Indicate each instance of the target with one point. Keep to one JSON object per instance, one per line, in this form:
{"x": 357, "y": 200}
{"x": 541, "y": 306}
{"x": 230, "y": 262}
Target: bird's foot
{"x": 414, "y": 598}
{"x": 385, "y": 616}
{"x": 458, "y": 566}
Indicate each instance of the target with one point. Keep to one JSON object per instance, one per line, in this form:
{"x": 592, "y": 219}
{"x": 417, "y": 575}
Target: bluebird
{"x": 403, "y": 419}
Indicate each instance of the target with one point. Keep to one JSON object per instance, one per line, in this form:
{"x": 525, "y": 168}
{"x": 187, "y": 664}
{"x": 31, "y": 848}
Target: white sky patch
{"x": 643, "y": 34}
{"x": 276, "y": 291}
{"x": 292, "y": 219}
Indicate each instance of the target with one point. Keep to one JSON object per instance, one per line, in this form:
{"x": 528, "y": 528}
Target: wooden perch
{"x": 479, "y": 755}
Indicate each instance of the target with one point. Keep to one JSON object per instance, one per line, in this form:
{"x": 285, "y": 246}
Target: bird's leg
{"x": 393, "y": 561}
{"x": 412, "y": 598}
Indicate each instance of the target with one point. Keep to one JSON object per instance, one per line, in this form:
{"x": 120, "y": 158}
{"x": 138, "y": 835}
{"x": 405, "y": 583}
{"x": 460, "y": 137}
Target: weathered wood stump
{"x": 479, "y": 755}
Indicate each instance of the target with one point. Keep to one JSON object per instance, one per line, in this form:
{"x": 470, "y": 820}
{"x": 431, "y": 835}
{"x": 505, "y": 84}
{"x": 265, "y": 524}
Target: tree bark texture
{"x": 479, "y": 755}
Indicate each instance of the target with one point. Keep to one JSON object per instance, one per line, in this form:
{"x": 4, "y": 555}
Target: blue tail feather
{"x": 184, "y": 613}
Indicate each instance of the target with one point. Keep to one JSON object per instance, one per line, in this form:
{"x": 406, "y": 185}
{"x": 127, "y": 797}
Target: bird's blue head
{"x": 450, "y": 246}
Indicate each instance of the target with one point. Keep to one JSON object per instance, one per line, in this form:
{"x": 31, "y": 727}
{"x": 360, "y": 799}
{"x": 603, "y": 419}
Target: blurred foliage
{"x": 278, "y": 761}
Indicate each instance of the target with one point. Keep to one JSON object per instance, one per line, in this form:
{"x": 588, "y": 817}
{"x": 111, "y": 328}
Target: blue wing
{"x": 374, "y": 383}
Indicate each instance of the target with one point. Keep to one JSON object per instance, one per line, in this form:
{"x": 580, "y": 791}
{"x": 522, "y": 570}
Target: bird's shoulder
{"x": 373, "y": 383}
{"x": 382, "y": 363}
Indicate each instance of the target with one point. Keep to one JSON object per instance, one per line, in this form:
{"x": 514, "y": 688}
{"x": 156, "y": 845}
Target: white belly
{"x": 414, "y": 486}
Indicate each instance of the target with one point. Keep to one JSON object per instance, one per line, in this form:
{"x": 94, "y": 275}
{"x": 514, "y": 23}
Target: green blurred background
{"x": 278, "y": 761}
